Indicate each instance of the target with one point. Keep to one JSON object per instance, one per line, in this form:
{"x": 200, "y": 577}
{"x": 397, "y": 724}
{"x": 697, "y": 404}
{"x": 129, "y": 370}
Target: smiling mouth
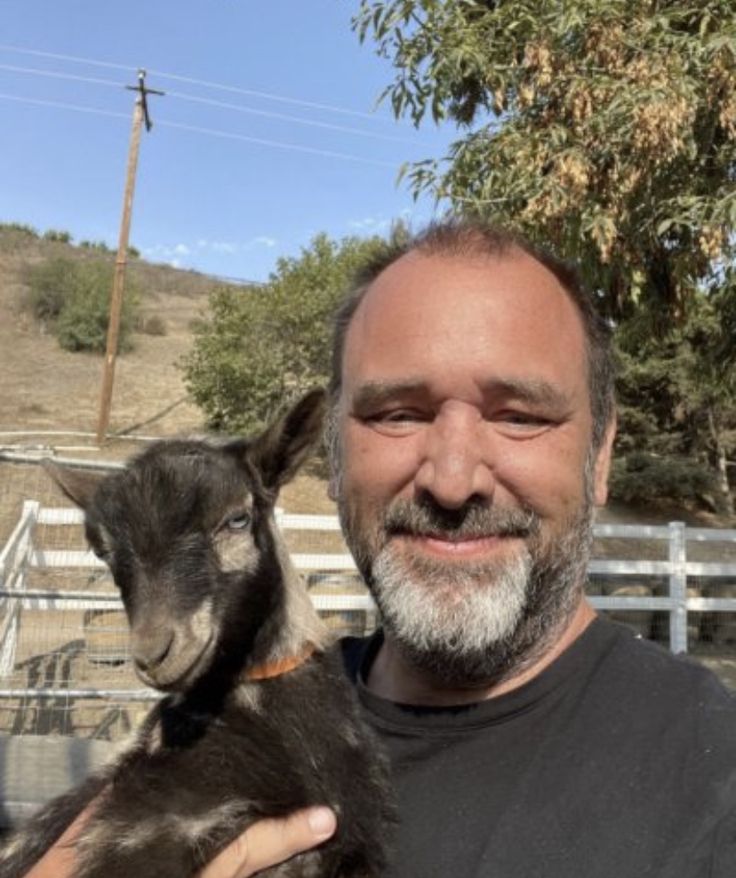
{"x": 454, "y": 545}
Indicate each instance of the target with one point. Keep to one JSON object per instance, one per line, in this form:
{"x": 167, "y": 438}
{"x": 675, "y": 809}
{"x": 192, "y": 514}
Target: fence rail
{"x": 21, "y": 555}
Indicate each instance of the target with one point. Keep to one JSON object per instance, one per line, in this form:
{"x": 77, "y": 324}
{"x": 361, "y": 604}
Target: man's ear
{"x": 281, "y": 449}
{"x": 79, "y": 485}
{"x": 602, "y": 466}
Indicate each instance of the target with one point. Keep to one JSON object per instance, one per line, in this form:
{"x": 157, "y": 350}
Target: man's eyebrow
{"x": 535, "y": 391}
{"x": 375, "y": 393}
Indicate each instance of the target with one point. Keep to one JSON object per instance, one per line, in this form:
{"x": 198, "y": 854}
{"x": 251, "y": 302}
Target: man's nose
{"x": 455, "y": 464}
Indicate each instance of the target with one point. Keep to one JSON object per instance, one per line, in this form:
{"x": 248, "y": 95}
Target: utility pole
{"x": 140, "y": 115}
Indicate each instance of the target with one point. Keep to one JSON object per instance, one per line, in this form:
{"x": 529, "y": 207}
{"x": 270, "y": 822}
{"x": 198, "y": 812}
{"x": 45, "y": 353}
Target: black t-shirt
{"x": 617, "y": 761}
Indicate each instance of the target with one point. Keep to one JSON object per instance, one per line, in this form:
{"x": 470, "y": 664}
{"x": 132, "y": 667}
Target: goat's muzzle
{"x": 171, "y": 655}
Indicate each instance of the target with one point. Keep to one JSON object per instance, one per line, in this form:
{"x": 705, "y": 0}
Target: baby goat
{"x": 260, "y": 719}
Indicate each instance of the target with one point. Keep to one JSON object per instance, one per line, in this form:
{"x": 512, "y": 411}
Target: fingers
{"x": 59, "y": 860}
{"x": 270, "y": 842}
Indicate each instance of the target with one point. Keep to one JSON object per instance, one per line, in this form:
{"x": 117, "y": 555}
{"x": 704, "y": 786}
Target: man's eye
{"x": 523, "y": 419}
{"x": 397, "y": 416}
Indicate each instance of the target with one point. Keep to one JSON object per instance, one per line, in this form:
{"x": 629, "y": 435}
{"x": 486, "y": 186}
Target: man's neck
{"x": 392, "y": 678}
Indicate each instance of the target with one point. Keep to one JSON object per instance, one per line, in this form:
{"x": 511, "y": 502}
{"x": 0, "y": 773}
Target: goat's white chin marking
{"x": 172, "y": 675}
{"x": 195, "y": 641}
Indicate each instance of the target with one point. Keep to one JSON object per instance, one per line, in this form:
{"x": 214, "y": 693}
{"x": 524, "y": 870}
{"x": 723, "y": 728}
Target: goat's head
{"x": 186, "y": 529}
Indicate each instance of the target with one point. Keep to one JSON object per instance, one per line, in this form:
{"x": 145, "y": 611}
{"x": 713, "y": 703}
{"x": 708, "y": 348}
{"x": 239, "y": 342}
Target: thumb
{"x": 272, "y": 841}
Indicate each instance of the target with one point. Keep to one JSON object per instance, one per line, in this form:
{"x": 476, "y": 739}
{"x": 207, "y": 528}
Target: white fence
{"x": 22, "y": 555}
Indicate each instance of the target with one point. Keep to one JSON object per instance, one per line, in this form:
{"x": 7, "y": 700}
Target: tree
{"x": 677, "y": 410}
{"x": 259, "y": 345}
{"x": 605, "y": 128}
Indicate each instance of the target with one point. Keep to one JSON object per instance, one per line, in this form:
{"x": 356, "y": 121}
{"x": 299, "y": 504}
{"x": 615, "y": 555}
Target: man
{"x": 471, "y": 440}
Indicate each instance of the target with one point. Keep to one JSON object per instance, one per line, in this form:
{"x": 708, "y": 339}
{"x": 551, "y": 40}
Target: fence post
{"x": 678, "y": 587}
{"x": 18, "y": 549}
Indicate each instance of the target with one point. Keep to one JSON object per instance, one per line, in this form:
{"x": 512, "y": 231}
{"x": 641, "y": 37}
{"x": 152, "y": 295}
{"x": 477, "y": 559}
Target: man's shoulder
{"x": 658, "y": 688}
{"x": 646, "y": 660}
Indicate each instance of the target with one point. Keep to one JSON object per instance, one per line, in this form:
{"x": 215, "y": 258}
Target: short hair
{"x": 472, "y": 237}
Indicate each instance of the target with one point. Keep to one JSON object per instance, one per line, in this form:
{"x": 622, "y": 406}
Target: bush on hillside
{"x": 59, "y": 235}
{"x": 20, "y": 229}
{"x": 75, "y": 298}
{"x": 50, "y": 283}
{"x": 99, "y": 246}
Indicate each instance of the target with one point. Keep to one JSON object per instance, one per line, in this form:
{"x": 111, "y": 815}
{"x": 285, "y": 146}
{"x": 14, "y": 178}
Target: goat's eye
{"x": 238, "y": 522}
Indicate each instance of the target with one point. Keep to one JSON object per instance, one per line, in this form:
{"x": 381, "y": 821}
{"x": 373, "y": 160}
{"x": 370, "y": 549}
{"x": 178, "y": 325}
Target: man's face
{"x": 466, "y": 480}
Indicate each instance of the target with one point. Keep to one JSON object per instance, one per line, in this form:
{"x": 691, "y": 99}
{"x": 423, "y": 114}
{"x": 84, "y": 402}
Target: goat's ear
{"x": 79, "y": 485}
{"x": 281, "y": 449}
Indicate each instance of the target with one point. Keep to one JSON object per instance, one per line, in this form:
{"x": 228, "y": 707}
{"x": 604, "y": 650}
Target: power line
{"x": 62, "y": 105}
{"x": 207, "y": 131}
{"x": 286, "y": 118}
{"x": 52, "y": 74}
{"x": 279, "y": 145}
{"x": 203, "y": 82}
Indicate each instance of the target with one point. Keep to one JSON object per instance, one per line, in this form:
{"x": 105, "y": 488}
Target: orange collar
{"x": 279, "y": 667}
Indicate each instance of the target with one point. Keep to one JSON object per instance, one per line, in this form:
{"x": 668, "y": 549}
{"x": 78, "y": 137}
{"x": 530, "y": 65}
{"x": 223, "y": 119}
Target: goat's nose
{"x": 150, "y": 648}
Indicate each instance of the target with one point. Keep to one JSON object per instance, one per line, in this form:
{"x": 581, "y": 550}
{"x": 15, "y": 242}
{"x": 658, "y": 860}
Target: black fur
{"x": 205, "y": 764}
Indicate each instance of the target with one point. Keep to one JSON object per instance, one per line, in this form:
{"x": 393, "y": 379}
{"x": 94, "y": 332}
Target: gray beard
{"x": 470, "y": 624}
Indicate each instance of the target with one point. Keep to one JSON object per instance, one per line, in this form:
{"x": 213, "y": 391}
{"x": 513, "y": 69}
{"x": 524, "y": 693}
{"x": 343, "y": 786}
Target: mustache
{"x": 473, "y": 520}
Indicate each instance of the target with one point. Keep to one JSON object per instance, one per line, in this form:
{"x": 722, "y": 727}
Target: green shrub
{"x": 100, "y": 246}
{"x": 82, "y": 323}
{"x": 57, "y": 235}
{"x": 75, "y": 297}
{"x": 19, "y": 228}
{"x": 50, "y": 284}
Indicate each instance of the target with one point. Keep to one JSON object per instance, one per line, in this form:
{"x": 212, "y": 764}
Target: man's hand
{"x": 264, "y": 844}
{"x": 270, "y": 842}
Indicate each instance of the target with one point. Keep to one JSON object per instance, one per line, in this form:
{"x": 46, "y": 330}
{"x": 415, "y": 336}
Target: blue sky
{"x": 211, "y": 194}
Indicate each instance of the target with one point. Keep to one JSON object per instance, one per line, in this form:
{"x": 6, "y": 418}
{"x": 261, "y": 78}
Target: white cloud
{"x": 166, "y": 251}
{"x": 370, "y": 223}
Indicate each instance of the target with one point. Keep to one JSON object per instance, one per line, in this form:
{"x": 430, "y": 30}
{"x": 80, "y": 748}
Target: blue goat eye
{"x": 238, "y": 522}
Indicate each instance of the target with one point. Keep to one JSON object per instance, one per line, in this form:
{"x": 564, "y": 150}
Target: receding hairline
{"x": 475, "y": 241}
{"x": 511, "y": 252}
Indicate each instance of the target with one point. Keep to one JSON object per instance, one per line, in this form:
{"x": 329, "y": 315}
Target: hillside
{"x": 45, "y": 388}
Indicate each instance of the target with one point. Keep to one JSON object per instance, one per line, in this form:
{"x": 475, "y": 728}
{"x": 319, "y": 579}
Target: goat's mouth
{"x": 181, "y": 667}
